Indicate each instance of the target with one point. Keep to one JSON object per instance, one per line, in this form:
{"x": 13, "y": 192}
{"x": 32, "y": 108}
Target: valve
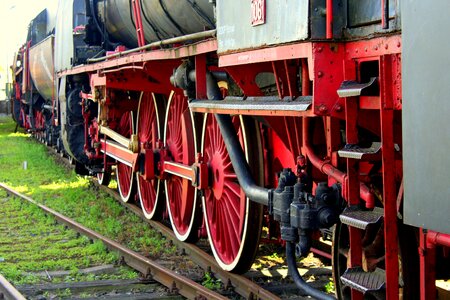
{"x": 300, "y": 212}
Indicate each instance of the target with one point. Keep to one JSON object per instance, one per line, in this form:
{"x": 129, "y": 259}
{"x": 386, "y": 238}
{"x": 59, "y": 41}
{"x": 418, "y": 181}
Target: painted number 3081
{"x": 258, "y": 12}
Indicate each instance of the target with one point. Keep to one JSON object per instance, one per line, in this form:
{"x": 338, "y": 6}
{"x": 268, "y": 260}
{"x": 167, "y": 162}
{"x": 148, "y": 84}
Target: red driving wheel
{"x": 179, "y": 141}
{"x": 148, "y": 131}
{"x": 233, "y": 221}
{"x": 124, "y": 172}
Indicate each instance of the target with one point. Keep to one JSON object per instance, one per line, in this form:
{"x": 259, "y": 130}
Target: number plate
{"x": 258, "y": 12}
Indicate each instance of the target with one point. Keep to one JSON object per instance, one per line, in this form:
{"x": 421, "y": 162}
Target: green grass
{"x": 72, "y": 195}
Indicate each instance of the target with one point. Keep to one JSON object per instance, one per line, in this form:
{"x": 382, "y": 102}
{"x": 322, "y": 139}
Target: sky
{"x": 15, "y": 15}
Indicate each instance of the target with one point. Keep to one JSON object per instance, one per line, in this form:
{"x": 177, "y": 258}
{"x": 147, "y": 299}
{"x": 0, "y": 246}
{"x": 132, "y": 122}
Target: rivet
{"x": 320, "y": 74}
{"x": 323, "y": 108}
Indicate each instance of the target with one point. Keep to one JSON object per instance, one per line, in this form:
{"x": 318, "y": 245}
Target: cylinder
{"x": 161, "y": 19}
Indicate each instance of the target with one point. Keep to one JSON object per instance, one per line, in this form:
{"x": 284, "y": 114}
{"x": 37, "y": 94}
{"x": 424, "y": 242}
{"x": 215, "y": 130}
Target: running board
{"x": 256, "y": 106}
{"x": 356, "y": 152}
{"x": 358, "y": 218}
{"x": 365, "y": 282}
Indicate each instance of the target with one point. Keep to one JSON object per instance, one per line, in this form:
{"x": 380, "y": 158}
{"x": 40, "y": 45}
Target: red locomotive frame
{"x": 329, "y": 95}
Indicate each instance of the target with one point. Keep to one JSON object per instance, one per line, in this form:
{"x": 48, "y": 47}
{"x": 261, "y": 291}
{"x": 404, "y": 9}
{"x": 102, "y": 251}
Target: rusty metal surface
{"x": 8, "y": 291}
{"x": 154, "y": 55}
{"x": 176, "y": 282}
{"x": 240, "y": 284}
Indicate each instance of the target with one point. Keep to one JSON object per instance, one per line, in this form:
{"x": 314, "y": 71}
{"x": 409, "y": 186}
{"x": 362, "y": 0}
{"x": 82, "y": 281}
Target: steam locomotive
{"x": 233, "y": 115}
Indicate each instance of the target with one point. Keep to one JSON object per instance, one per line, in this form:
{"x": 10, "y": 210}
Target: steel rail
{"x": 8, "y": 291}
{"x": 177, "y": 283}
{"x": 241, "y": 285}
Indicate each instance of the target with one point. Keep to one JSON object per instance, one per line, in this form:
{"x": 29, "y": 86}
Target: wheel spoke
{"x": 224, "y": 203}
{"x": 148, "y": 135}
{"x": 125, "y": 175}
{"x": 180, "y": 143}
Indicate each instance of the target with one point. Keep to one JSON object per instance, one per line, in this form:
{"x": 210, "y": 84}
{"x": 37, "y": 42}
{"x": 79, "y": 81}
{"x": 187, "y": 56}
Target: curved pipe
{"x": 251, "y": 189}
{"x": 328, "y": 169}
{"x": 299, "y": 281}
{"x": 237, "y": 156}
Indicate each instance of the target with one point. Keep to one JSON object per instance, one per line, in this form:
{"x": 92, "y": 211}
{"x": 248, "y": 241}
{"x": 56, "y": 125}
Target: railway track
{"x": 249, "y": 286}
{"x": 176, "y": 283}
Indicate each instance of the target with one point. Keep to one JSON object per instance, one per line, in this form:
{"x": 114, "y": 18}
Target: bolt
{"x": 398, "y": 44}
{"x": 323, "y": 109}
{"x": 320, "y": 74}
{"x": 338, "y": 108}
{"x": 386, "y": 46}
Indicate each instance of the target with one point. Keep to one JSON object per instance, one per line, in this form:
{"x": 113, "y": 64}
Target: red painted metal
{"x": 329, "y": 19}
{"x": 225, "y": 202}
{"x": 389, "y": 184}
{"x": 135, "y": 58}
{"x": 200, "y": 76}
{"x": 148, "y": 132}
{"x": 124, "y": 172}
{"x": 321, "y": 253}
{"x": 177, "y": 169}
{"x": 280, "y": 52}
{"x": 306, "y": 83}
{"x": 427, "y": 253}
{"x": 327, "y": 77}
{"x": 355, "y": 235}
{"x": 180, "y": 146}
{"x": 374, "y": 48}
{"x": 437, "y": 238}
{"x": 138, "y": 21}
{"x": 327, "y": 168}
{"x": 119, "y": 153}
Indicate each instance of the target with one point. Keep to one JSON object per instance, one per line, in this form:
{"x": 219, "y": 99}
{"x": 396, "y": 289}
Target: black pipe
{"x": 385, "y": 17}
{"x": 237, "y": 156}
{"x": 298, "y": 280}
{"x": 251, "y": 189}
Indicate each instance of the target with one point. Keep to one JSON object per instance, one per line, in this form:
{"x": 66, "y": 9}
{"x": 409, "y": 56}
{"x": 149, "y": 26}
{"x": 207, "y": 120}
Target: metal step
{"x": 365, "y": 282}
{"x": 269, "y": 106}
{"x": 356, "y": 152}
{"x": 356, "y": 217}
{"x": 356, "y": 89}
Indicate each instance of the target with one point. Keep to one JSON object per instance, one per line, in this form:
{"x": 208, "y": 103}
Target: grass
{"x": 72, "y": 195}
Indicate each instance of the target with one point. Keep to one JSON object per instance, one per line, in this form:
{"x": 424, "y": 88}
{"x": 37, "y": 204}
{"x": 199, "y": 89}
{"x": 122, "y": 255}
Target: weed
{"x": 210, "y": 282}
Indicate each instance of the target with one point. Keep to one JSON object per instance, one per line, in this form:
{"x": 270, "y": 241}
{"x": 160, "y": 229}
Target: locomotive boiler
{"x": 229, "y": 116}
